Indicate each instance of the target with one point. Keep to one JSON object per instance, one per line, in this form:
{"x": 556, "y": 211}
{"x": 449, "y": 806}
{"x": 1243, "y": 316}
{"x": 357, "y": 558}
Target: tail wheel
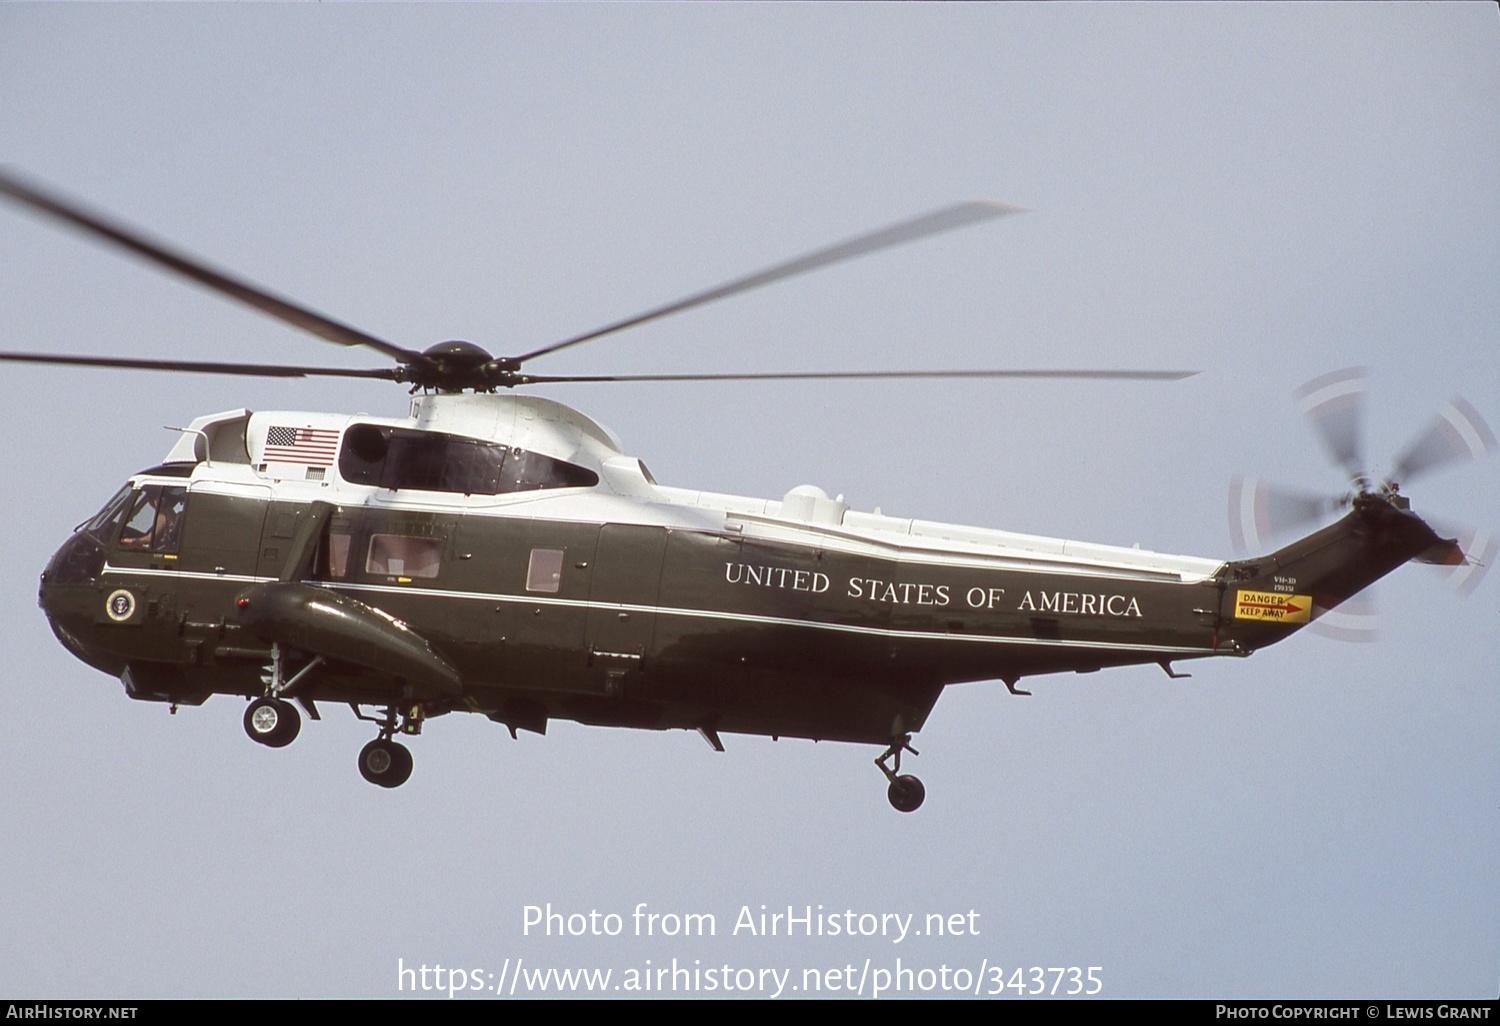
{"x": 906, "y": 793}
{"x": 272, "y": 722}
{"x": 385, "y": 763}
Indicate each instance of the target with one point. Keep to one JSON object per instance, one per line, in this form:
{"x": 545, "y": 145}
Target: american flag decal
{"x": 315, "y": 447}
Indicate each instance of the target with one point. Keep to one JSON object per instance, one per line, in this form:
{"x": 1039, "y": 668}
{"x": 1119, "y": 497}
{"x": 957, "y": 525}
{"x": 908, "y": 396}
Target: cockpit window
{"x": 431, "y": 461}
{"x": 103, "y": 524}
{"x": 154, "y": 520}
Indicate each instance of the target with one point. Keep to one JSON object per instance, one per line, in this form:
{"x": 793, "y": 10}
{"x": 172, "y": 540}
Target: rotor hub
{"x": 455, "y": 366}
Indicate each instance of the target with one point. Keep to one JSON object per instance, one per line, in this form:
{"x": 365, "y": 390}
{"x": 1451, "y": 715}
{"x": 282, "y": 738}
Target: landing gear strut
{"x": 906, "y": 792}
{"x": 383, "y": 761}
{"x": 271, "y": 720}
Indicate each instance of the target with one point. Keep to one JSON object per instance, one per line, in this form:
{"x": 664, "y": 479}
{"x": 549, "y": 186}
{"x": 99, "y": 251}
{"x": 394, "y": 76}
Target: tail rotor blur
{"x": 1458, "y": 433}
{"x": 1260, "y": 512}
{"x": 1334, "y": 405}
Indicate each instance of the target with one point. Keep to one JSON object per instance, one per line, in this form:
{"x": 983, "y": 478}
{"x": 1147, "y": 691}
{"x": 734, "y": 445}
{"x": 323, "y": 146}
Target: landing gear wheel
{"x": 272, "y": 722}
{"x": 385, "y": 763}
{"x": 906, "y": 793}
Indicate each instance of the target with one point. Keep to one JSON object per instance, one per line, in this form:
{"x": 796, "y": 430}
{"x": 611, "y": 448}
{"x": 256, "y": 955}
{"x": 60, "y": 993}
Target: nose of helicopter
{"x": 68, "y": 589}
{"x": 78, "y": 562}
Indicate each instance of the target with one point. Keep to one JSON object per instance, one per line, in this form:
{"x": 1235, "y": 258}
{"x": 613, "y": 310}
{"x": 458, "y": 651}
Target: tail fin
{"x": 1267, "y": 599}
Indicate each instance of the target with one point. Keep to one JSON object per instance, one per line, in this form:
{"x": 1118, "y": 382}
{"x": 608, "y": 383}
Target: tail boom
{"x": 1272, "y": 597}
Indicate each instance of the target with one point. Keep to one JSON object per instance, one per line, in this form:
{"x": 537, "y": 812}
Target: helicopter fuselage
{"x": 501, "y": 555}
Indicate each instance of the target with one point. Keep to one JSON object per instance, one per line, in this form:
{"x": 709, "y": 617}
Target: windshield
{"x": 103, "y": 523}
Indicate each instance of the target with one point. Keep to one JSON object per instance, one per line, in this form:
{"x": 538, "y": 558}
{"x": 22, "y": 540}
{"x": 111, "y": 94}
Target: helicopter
{"x": 500, "y": 553}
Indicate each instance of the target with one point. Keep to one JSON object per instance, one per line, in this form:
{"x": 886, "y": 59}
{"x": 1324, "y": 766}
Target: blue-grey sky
{"x": 1262, "y": 192}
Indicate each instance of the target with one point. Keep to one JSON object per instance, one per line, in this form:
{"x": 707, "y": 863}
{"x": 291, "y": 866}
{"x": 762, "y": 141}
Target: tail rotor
{"x": 1334, "y": 405}
{"x": 1458, "y": 433}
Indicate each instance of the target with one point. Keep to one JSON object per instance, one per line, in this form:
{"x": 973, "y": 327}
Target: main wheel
{"x": 385, "y": 763}
{"x": 272, "y": 722}
{"x": 906, "y": 793}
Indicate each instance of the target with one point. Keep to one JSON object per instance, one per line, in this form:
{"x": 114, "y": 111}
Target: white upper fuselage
{"x": 626, "y": 493}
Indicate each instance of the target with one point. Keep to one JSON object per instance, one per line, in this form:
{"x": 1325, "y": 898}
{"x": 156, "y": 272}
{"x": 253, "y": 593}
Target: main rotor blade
{"x": 1458, "y": 432}
{"x": 1334, "y": 403}
{"x": 30, "y": 195}
{"x": 257, "y": 370}
{"x": 1104, "y": 375}
{"x": 906, "y": 231}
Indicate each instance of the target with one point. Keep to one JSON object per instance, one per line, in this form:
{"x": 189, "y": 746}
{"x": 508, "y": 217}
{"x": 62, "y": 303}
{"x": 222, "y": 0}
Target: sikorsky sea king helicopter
{"x": 499, "y": 553}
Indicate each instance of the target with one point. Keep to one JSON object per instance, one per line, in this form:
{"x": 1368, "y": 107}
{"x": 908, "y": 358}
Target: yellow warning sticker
{"x": 1272, "y": 605}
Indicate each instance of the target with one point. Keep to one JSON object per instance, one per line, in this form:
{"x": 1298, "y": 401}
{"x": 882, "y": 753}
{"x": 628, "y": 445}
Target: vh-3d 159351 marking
{"x": 501, "y": 554}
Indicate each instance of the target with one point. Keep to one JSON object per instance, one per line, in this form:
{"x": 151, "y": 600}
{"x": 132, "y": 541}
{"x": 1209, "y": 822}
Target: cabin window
{"x": 544, "y": 572}
{"x": 334, "y": 549}
{"x": 399, "y": 458}
{"x": 399, "y": 555}
{"x": 337, "y": 554}
{"x": 154, "y": 522}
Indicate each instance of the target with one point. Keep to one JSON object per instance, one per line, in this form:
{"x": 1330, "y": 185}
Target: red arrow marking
{"x": 1285, "y": 607}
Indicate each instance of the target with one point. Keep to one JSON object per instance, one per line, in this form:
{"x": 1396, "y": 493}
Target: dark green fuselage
{"x": 655, "y": 626}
